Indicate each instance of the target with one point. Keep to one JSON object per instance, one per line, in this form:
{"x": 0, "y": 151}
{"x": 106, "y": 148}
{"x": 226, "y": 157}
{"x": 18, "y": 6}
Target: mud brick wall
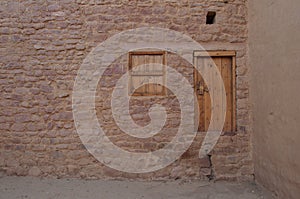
{"x": 42, "y": 45}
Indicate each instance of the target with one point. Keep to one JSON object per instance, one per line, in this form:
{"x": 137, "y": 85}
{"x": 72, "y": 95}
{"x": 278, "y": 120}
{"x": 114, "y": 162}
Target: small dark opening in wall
{"x": 210, "y": 17}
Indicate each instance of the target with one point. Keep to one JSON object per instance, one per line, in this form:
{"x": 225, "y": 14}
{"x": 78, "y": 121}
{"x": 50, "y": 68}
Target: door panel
{"x": 224, "y": 65}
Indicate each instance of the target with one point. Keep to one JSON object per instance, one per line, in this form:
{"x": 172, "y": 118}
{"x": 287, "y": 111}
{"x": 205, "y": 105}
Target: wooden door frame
{"x": 220, "y": 53}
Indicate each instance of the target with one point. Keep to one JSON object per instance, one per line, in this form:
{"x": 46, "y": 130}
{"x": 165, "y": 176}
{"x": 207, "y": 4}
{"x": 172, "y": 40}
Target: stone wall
{"x": 43, "y": 44}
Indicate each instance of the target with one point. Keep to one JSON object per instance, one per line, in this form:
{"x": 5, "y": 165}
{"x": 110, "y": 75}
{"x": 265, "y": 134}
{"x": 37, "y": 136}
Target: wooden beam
{"x": 147, "y": 53}
{"x": 222, "y": 53}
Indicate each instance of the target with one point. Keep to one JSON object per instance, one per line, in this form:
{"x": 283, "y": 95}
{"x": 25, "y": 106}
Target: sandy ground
{"x": 31, "y": 188}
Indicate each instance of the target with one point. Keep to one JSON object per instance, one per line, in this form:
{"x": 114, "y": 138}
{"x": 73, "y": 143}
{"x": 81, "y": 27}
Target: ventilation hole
{"x": 210, "y": 17}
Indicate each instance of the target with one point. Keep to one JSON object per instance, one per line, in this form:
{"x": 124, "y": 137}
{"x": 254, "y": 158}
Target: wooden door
{"x": 225, "y": 63}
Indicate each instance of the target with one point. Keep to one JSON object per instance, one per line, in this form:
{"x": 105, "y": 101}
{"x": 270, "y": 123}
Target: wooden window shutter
{"x": 151, "y": 69}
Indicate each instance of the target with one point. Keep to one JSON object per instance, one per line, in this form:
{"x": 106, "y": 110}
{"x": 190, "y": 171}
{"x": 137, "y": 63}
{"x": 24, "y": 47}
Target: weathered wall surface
{"x": 43, "y": 44}
{"x": 274, "y": 56}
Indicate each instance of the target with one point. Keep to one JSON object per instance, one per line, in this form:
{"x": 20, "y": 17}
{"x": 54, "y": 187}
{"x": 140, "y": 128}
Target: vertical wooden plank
{"x": 159, "y": 59}
{"x": 197, "y": 111}
{"x": 142, "y": 61}
{"x": 129, "y": 86}
{"x": 148, "y": 65}
{"x": 207, "y": 102}
{"x": 153, "y": 61}
{"x": 198, "y": 108}
{"x": 227, "y": 79}
{"x": 155, "y": 89}
{"x": 234, "y": 128}
{"x": 214, "y": 91}
{"x": 135, "y": 81}
{"x": 200, "y": 64}
{"x": 164, "y": 76}
{"x": 202, "y": 97}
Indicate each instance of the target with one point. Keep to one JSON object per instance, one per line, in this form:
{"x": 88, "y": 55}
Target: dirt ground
{"x": 36, "y": 188}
